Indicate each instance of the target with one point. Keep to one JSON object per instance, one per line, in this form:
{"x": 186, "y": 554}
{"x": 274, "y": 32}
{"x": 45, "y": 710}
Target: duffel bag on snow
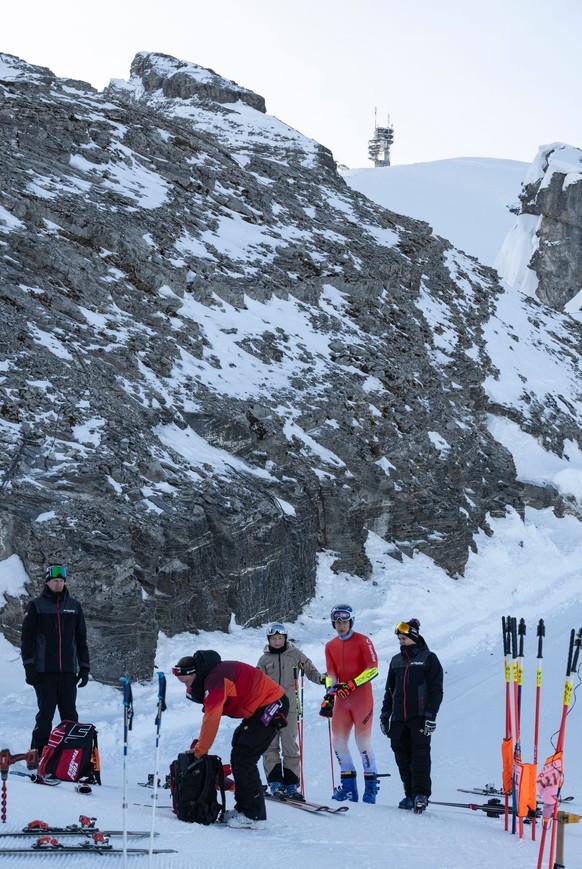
{"x": 195, "y": 784}
{"x": 72, "y": 753}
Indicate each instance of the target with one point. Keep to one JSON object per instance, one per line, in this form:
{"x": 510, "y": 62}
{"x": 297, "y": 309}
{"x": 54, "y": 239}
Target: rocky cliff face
{"x": 217, "y": 360}
{"x": 543, "y": 254}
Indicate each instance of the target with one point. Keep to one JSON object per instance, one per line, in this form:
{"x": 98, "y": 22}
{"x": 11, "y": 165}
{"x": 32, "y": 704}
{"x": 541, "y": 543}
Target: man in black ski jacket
{"x": 414, "y": 692}
{"x": 54, "y": 653}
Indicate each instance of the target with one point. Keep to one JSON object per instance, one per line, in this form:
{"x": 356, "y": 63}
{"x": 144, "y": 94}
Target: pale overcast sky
{"x": 459, "y": 78}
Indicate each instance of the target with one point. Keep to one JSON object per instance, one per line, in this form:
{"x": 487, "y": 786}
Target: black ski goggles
{"x": 183, "y": 671}
{"x": 277, "y": 629}
{"x": 56, "y": 571}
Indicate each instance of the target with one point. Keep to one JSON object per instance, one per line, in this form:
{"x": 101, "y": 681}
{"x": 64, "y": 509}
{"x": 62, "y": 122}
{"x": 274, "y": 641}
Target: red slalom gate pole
{"x": 517, "y": 749}
{"x": 519, "y": 783}
{"x": 541, "y": 632}
{"x": 551, "y": 776}
{"x": 507, "y": 744}
{"x": 572, "y": 667}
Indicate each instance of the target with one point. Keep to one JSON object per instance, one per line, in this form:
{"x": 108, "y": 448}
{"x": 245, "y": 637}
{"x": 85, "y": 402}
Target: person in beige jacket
{"x": 281, "y": 760}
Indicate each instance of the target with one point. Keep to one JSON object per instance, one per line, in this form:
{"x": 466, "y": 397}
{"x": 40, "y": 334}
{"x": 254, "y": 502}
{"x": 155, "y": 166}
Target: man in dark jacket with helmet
{"x": 54, "y": 652}
{"x": 236, "y": 690}
{"x": 414, "y": 692}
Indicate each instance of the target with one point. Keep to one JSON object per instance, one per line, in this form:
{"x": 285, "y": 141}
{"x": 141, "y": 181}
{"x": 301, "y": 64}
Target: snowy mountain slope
{"x": 465, "y": 200}
{"x": 220, "y": 358}
{"x": 235, "y": 273}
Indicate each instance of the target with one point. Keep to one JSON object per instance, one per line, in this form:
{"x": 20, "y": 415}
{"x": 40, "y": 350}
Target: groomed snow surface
{"x": 528, "y": 570}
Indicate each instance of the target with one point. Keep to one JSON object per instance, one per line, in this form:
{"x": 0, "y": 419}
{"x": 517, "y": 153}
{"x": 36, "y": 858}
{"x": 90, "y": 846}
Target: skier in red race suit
{"x": 351, "y": 664}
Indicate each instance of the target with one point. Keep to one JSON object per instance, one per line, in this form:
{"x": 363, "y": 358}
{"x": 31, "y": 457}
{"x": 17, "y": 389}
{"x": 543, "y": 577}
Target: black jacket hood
{"x": 205, "y": 660}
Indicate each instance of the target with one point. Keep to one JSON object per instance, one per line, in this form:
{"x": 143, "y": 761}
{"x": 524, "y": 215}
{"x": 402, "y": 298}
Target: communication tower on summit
{"x": 379, "y": 145}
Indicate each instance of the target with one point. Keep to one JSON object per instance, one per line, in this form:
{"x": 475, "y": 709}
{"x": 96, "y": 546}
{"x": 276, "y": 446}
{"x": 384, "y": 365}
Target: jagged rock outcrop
{"x": 217, "y": 359}
{"x": 543, "y": 253}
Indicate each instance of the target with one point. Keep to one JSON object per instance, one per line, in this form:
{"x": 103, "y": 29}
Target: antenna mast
{"x": 379, "y": 145}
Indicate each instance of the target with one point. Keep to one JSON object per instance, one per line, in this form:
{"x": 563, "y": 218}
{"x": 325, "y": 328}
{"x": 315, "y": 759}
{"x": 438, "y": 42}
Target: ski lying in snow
{"x": 493, "y": 808}
{"x": 83, "y": 848}
{"x": 490, "y": 791}
{"x": 306, "y": 806}
{"x": 74, "y": 831}
{"x": 81, "y": 787}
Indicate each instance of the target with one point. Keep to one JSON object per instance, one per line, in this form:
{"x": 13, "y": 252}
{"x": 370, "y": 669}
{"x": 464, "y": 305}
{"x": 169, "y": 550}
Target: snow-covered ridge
{"x": 14, "y": 69}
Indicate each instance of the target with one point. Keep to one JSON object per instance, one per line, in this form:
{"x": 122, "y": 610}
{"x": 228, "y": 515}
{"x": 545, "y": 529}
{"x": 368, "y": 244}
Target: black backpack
{"x": 195, "y": 784}
{"x": 72, "y": 753}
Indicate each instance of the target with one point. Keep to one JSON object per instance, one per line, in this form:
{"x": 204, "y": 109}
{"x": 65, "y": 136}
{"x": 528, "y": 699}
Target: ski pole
{"x": 127, "y": 723}
{"x": 301, "y": 732}
{"x": 541, "y": 632}
{"x": 331, "y": 755}
{"x": 573, "y": 654}
{"x": 521, "y": 634}
{"x": 519, "y": 782}
{"x": 158, "y": 722}
{"x": 299, "y": 723}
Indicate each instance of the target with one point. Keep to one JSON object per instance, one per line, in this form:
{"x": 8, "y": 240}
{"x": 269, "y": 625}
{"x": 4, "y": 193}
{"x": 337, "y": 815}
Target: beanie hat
{"x": 55, "y": 571}
{"x": 411, "y": 629}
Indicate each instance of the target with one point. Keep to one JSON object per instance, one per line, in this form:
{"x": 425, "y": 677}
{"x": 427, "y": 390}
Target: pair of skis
{"x": 50, "y": 845}
{"x": 95, "y": 839}
{"x": 306, "y": 806}
{"x": 85, "y": 827}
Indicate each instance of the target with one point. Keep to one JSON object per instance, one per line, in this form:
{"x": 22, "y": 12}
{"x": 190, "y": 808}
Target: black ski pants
{"x": 250, "y": 740}
{"x": 52, "y": 690}
{"x": 412, "y": 754}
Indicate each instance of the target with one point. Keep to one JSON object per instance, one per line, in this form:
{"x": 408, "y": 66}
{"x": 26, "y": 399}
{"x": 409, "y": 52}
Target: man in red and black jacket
{"x": 414, "y": 692}
{"x": 54, "y": 653}
{"x": 236, "y": 690}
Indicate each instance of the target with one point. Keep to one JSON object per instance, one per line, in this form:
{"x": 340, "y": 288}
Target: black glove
{"x": 31, "y": 674}
{"x": 342, "y": 689}
{"x": 384, "y": 726}
{"x": 326, "y": 710}
{"x": 429, "y": 726}
{"x": 83, "y": 677}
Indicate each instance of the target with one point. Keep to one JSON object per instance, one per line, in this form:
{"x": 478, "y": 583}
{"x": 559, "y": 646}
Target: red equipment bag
{"x": 72, "y": 753}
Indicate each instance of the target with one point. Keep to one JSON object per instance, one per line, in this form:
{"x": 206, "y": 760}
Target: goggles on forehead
{"x": 183, "y": 671}
{"x": 56, "y": 571}
{"x": 402, "y": 628}
{"x": 341, "y": 616}
{"x": 276, "y": 629}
